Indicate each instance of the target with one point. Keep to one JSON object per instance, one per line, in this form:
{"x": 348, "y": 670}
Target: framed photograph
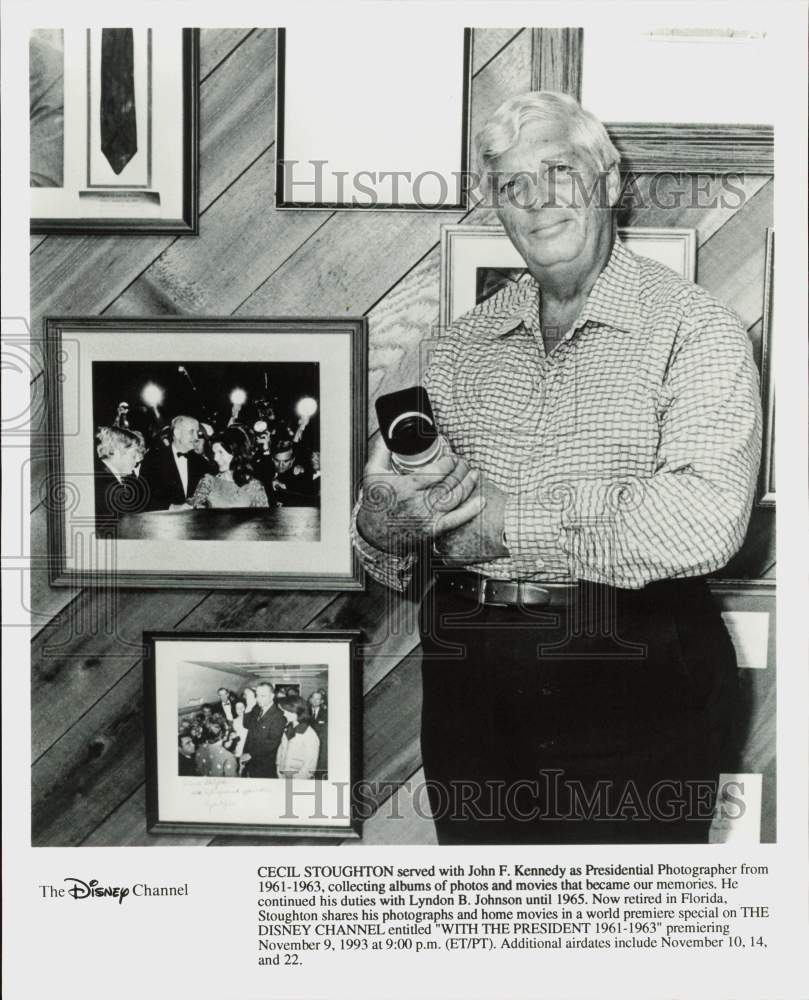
{"x": 205, "y": 452}
{"x": 114, "y": 130}
{"x": 658, "y": 116}
{"x": 252, "y": 733}
{"x": 344, "y": 142}
{"x": 476, "y": 261}
{"x": 766, "y": 490}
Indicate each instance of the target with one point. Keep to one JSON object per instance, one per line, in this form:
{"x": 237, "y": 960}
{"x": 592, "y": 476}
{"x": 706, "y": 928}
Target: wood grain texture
{"x": 98, "y": 642}
{"x": 693, "y": 148}
{"x": 505, "y": 76}
{"x": 700, "y": 202}
{"x": 96, "y": 764}
{"x": 731, "y": 263}
{"x": 404, "y": 818}
{"x": 389, "y": 622}
{"x": 557, "y": 60}
{"x": 47, "y": 602}
{"x": 126, "y": 827}
{"x": 83, "y": 276}
{"x": 216, "y": 45}
{"x": 488, "y": 42}
{"x": 242, "y": 242}
{"x": 87, "y": 782}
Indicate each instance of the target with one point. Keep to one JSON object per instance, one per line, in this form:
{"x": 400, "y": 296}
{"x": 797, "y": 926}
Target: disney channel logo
{"x": 92, "y": 889}
{"x": 77, "y": 888}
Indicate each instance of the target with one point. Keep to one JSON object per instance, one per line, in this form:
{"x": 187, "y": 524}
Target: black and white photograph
{"x": 399, "y": 515}
{"x": 254, "y": 733}
{"x": 113, "y": 121}
{"x": 210, "y": 437}
{"x": 190, "y": 462}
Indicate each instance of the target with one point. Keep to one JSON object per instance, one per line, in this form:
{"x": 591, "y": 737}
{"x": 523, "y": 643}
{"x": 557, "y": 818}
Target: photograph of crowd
{"x": 251, "y": 721}
{"x": 175, "y": 438}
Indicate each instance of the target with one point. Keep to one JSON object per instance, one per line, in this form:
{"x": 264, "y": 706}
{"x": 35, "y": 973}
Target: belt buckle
{"x": 490, "y": 583}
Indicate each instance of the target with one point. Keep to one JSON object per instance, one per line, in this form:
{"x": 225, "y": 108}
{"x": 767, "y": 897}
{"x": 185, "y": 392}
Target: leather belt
{"x": 488, "y": 591}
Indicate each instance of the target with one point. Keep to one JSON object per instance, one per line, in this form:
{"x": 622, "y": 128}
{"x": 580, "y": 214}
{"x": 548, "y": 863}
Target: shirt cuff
{"x": 534, "y": 534}
{"x": 388, "y": 568}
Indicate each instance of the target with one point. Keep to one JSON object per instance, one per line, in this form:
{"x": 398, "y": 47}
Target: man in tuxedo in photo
{"x": 226, "y": 704}
{"x": 290, "y": 483}
{"x": 264, "y": 734}
{"x": 173, "y": 472}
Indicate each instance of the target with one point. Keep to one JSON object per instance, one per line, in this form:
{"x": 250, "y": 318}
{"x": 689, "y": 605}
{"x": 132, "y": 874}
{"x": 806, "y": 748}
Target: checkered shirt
{"x": 628, "y": 454}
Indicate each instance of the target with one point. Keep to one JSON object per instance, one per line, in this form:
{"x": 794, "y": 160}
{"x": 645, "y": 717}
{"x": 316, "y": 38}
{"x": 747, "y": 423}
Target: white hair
{"x": 502, "y": 131}
{"x": 118, "y": 439}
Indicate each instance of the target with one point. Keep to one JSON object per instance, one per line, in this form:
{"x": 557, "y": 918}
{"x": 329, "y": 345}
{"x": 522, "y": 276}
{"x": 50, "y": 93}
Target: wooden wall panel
{"x": 252, "y": 259}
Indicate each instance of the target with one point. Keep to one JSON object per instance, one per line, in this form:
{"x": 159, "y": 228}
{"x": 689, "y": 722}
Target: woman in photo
{"x": 299, "y": 747}
{"x": 235, "y": 484}
{"x": 238, "y": 731}
{"x": 213, "y": 760}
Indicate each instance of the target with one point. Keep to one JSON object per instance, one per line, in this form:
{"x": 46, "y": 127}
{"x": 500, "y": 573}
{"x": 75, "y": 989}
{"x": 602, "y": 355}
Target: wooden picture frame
{"x": 336, "y": 172}
{"x": 467, "y": 249}
{"x": 558, "y": 56}
{"x": 766, "y": 486}
{"x": 295, "y": 533}
{"x": 224, "y": 798}
{"x": 146, "y": 196}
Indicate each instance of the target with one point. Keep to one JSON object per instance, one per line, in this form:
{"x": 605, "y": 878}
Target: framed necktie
{"x": 119, "y": 129}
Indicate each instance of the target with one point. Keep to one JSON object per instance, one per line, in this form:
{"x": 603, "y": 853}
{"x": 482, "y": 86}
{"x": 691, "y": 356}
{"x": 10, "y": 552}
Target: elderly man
{"x": 173, "y": 472}
{"x": 602, "y": 427}
{"x": 119, "y": 452}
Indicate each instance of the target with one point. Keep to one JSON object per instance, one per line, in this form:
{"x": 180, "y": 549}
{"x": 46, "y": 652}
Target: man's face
{"x": 550, "y": 200}
{"x": 126, "y": 460}
{"x": 186, "y": 435}
{"x": 315, "y": 700}
{"x": 283, "y": 461}
{"x": 264, "y": 696}
{"x": 223, "y": 695}
{"x": 187, "y": 748}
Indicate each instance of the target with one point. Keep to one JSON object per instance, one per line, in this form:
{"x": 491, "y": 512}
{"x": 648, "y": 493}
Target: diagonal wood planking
{"x": 195, "y": 277}
{"x": 252, "y": 259}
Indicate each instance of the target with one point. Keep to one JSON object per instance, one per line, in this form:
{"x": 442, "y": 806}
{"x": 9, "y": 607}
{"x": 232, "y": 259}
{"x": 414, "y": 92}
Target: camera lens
{"x": 411, "y": 433}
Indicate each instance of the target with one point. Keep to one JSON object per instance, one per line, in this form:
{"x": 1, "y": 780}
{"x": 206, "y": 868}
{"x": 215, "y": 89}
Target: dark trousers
{"x": 604, "y": 722}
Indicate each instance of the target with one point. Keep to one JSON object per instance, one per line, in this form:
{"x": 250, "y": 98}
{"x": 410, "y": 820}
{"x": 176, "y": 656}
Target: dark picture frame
{"x": 557, "y": 59}
{"x": 766, "y": 486}
{"x": 345, "y": 690}
{"x": 187, "y": 222}
{"x": 464, "y": 158}
{"x": 78, "y": 554}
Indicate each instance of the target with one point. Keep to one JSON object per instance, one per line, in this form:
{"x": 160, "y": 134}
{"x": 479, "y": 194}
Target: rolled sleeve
{"x": 394, "y": 570}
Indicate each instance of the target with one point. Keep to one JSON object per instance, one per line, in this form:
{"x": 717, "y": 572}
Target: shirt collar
{"x": 613, "y": 300}
{"x": 117, "y": 475}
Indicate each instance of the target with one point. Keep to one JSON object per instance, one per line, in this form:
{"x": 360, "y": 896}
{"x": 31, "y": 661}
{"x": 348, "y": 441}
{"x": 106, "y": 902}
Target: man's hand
{"x": 399, "y": 510}
{"x": 481, "y": 539}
